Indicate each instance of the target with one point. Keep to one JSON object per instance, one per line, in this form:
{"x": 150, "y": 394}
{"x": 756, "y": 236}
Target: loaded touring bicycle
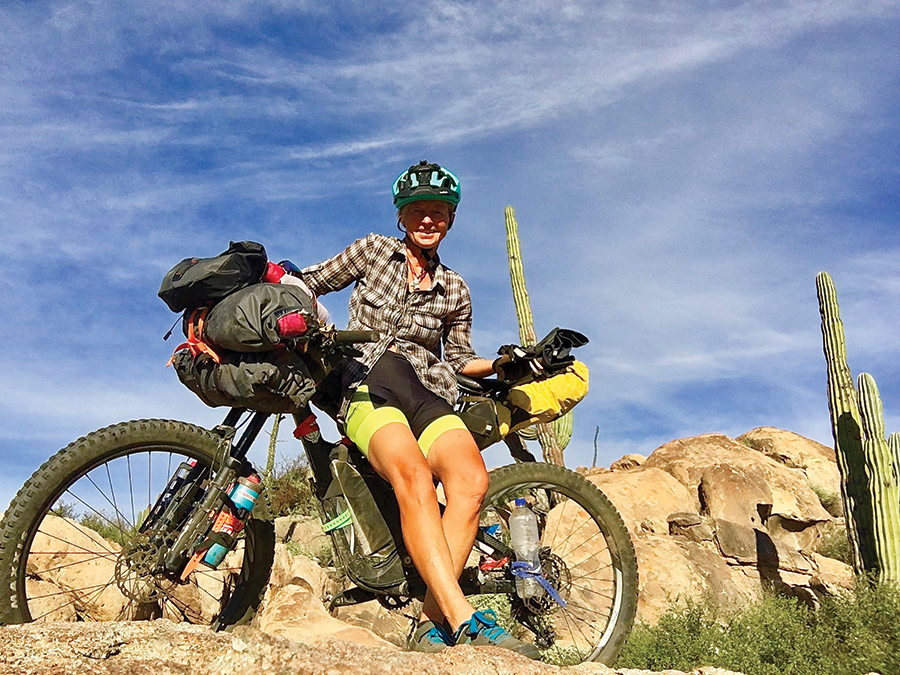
{"x": 162, "y": 518}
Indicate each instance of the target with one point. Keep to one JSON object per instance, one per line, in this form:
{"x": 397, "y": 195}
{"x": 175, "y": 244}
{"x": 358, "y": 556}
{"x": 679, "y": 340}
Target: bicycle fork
{"x": 193, "y": 537}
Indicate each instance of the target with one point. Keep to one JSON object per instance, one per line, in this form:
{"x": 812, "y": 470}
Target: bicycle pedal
{"x": 491, "y": 565}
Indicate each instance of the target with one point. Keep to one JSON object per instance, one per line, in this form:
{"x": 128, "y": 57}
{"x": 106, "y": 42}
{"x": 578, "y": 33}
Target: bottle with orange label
{"x": 244, "y": 493}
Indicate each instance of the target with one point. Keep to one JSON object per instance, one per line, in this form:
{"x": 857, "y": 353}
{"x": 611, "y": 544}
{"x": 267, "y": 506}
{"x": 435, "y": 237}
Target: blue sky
{"x": 680, "y": 172}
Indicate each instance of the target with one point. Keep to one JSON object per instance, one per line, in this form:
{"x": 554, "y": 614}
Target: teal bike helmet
{"x": 426, "y": 181}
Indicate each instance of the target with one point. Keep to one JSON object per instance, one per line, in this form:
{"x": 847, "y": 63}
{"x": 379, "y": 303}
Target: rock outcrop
{"x": 165, "y": 648}
{"x": 719, "y": 519}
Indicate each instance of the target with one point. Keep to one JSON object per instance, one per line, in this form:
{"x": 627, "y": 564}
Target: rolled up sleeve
{"x": 340, "y": 271}
{"x": 458, "y": 334}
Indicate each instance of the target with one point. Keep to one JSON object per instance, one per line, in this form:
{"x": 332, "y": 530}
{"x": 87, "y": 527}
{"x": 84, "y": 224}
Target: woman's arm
{"x": 478, "y": 368}
{"x": 458, "y": 350}
{"x": 340, "y": 271}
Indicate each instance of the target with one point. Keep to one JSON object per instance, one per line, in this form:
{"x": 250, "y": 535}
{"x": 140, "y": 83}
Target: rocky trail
{"x": 712, "y": 518}
{"x": 165, "y": 648}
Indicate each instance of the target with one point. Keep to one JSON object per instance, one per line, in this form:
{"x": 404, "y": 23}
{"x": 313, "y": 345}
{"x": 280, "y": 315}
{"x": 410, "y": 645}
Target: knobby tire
{"x": 592, "y": 561}
{"x": 57, "y": 489}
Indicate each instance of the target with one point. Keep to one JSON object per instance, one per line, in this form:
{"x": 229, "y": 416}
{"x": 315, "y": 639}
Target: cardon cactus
{"x": 870, "y": 484}
{"x": 884, "y": 482}
{"x": 552, "y": 443}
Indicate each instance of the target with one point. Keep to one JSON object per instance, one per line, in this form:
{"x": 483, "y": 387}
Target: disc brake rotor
{"x": 135, "y": 576}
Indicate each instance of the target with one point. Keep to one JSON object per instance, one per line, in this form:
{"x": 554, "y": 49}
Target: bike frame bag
{"x": 372, "y": 551}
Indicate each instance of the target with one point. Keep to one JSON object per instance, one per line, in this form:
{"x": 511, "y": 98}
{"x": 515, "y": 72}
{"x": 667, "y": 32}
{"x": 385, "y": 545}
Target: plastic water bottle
{"x": 526, "y": 542}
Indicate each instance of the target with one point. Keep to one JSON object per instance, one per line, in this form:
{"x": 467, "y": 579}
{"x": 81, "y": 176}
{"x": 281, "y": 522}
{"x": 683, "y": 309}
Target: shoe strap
{"x": 484, "y": 622}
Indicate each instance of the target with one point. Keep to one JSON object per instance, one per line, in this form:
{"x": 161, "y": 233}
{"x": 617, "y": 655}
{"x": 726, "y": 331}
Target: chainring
{"x": 393, "y": 602}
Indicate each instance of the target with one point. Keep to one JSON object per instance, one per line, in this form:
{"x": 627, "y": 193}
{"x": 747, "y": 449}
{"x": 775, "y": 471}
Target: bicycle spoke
{"x": 100, "y": 514}
{"x": 78, "y": 546}
{"x": 131, "y": 490}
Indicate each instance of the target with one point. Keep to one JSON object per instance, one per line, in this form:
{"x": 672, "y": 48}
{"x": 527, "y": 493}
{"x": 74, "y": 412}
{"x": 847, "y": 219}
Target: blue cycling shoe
{"x": 429, "y": 638}
{"x": 482, "y": 629}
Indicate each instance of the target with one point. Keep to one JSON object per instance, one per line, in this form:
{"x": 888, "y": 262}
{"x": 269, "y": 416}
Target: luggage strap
{"x": 195, "y": 342}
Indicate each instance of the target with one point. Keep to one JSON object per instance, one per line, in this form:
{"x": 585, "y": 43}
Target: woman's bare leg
{"x": 456, "y": 462}
{"x": 396, "y": 456}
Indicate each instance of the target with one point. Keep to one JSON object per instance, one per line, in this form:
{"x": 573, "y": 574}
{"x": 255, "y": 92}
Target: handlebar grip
{"x": 343, "y": 337}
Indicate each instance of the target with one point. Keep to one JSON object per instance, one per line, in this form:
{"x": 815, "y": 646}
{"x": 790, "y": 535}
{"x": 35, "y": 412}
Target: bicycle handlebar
{"x": 344, "y": 337}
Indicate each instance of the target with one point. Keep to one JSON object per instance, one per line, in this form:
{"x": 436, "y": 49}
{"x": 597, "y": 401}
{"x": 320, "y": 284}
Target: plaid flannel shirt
{"x": 420, "y": 324}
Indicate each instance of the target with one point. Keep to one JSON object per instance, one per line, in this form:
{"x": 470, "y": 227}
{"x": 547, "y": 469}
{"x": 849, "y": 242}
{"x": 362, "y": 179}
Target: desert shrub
{"x": 111, "y": 528}
{"x": 323, "y": 555}
{"x": 685, "y": 636}
{"x": 290, "y": 493}
{"x": 857, "y": 632}
{"x": 830, "y": 501}
{"x": 834, "y": 543}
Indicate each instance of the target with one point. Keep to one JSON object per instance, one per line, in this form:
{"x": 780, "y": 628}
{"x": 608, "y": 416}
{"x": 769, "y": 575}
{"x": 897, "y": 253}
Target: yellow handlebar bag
{"x": 544, "y": 400}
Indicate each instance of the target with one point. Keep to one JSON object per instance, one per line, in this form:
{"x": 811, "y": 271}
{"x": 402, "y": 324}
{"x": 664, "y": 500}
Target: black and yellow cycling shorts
{"x": 392, "y": 392}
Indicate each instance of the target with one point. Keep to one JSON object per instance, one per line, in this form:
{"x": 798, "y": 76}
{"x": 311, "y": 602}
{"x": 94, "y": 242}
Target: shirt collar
{"x": 437, "y": 270}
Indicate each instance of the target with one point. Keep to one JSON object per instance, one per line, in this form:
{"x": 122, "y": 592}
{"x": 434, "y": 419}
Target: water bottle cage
{"x": 226, "y": 540}
{"x": 524, "y": 570}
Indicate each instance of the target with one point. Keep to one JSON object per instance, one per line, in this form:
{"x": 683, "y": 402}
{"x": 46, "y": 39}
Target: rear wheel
{"x": 587, "y": 558}
{"x": 70, "y": 549}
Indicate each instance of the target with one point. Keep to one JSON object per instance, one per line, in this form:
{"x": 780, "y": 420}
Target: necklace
{"x": 417, "y": 277}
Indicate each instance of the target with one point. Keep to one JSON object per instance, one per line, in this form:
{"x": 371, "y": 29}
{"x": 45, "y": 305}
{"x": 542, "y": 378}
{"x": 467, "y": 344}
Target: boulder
{"x": 817, "y": 462}
{"x": 740, "y": 495}
{"x": 298, "y": 570}
{"x": 715, "y": 519}
{"x": 645, "y": 497}
{"x": 296, "y": 613}
{"x": 69, "y": 556}
{"x": 306, "y": 533}
{"x": 689, "y": 459}
{"x": 631, "y": 461}
{"x": 690, "y": 526}
{"x": 673, "y": 571}
{"x": 393, "y": 626}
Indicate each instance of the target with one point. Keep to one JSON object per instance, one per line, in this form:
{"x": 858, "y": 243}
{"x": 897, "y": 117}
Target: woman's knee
{"x": 466, "y": 485}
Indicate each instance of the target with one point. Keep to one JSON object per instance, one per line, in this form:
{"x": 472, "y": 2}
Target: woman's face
{"x": 426, "y": 222}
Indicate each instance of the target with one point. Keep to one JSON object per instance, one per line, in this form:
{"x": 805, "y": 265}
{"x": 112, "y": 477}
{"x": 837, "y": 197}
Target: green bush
{"x": 111, "y": 527}
{"x": 858, "y": 632}
{"x": 835, "y": 544}
{"x": 290, "y": 493}
{"x": 830, "y": 501}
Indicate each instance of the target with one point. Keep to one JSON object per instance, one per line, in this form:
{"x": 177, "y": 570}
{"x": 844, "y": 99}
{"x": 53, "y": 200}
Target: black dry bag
{"x": 200, "y": 281}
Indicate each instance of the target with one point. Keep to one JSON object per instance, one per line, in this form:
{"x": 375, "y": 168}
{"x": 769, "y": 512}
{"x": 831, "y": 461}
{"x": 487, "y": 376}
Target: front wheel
{"x": 586, "y": 556}
{"x": 70, "y": 546}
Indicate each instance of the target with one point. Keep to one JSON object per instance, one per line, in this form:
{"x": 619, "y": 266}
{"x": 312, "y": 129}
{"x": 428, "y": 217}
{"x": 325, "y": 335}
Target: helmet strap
{"x": 427, "y": 253}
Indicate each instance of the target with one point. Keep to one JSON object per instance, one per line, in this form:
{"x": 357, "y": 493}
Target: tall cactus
{"x": 884, "y": 483}
{"x": 553, "y": 442}
{"x": 845, "y": 422}
{"x": 868, "y": 464}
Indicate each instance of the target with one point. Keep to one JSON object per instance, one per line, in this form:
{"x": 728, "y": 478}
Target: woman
{"x": 399, "y": 395}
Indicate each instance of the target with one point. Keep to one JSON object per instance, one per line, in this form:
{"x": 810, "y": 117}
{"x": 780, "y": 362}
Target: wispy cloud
{"x": 680, "y": 174}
